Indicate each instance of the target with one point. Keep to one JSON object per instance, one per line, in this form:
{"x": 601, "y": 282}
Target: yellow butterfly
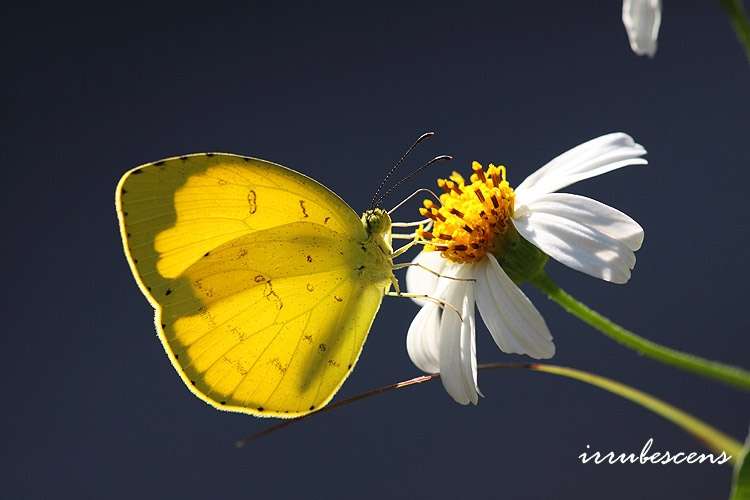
{"x": 265, "y": 283}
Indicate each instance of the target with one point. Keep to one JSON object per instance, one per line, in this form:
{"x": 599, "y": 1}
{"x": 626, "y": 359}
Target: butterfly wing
{"x": 255, "y": 272}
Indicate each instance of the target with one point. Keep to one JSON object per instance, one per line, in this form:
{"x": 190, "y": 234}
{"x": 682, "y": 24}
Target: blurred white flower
{"x": 477, "y": 224}
{"x": 642, "y": 19}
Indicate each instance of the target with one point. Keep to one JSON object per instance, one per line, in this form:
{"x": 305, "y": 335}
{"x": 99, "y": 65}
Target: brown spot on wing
{"x": 252, "y": 201}
{"x": 272, "y": 296}
{"x": 276, "y": 363}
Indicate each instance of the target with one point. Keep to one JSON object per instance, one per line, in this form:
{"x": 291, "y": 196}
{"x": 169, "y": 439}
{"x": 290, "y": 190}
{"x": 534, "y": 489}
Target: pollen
{"x": 472, "y": 219}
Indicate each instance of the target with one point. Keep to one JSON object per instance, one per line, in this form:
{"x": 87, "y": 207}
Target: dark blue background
{"x": 94, "y": 409}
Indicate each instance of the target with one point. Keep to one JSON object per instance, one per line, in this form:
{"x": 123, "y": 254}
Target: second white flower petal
{"x": 469, "y": 345}
{"x": 420, "y": 280}
{"x": 595, "y": 157}
{"x": 577, "y": 246}
{"x": 457, "y": 357}
{"x": 422, "y": 341}
{"x": 514, "y": 322}
{"x": 591, "y": 213}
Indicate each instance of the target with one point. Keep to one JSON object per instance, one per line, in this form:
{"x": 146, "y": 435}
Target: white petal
{"x": 583, "y": 248}
{"x": 593, "y": 214}
{"x": 642, "y": 19}
{"x": 419, "y": 280}
{"x": 423, "y": 341}
{"x": 595, "y": 157}
{"x": 423, "y": 337}
{"x": 511, "y": 318}
{"x": 455, "y": 340}
{"x": 469, "y": 345}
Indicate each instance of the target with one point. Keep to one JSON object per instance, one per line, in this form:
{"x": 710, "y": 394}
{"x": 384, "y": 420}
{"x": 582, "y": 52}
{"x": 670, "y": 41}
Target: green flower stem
{"x": 725, "y": 373}
{"x": 738, "y": 17}
{"x": 713, "y": 438}
{"x": 741, "y": 479}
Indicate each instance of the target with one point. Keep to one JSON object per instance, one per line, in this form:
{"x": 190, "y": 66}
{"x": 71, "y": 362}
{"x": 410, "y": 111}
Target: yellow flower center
{"x": 473, "y": 218}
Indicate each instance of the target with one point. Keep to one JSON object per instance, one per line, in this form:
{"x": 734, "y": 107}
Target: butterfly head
{"x": 377, "y": 221}
{"x": 378, "y": 249}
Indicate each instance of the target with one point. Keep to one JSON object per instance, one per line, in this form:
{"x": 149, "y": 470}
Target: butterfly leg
{"x": 406, "y": 247}
{"x": 410, "y": 236}
{"x": 411, "y": 224}
{"x": 429, "y": 298}
{"x": 417, "y": 264}
{"x": 397, "y": 236}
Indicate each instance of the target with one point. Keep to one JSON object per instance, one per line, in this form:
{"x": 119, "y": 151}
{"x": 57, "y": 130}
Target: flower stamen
{"x": 477, "y": 168}
{"x": 472, "y": 219}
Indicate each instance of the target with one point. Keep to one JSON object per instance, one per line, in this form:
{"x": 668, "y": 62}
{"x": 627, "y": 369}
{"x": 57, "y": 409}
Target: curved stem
{"x": 712, "y": 438}
{"x": 712, "y": 369}
{"x": 738, "y": 17}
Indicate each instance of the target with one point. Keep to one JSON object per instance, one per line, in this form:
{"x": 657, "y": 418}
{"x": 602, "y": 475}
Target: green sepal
{"x": 521, "y": 260}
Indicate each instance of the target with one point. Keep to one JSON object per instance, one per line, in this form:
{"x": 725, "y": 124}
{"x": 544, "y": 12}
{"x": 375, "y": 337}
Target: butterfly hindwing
{"x": 272, "y": 321}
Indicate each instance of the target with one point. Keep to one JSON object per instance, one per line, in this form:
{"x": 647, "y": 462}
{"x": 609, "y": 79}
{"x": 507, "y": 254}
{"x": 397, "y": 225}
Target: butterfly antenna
{"x": 437, "y": 159}
{"x": 421, "y": 138}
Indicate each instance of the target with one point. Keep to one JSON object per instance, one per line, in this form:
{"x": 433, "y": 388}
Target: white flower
{"x": 642, "y": 19}
{"x": 475, "y": 222}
